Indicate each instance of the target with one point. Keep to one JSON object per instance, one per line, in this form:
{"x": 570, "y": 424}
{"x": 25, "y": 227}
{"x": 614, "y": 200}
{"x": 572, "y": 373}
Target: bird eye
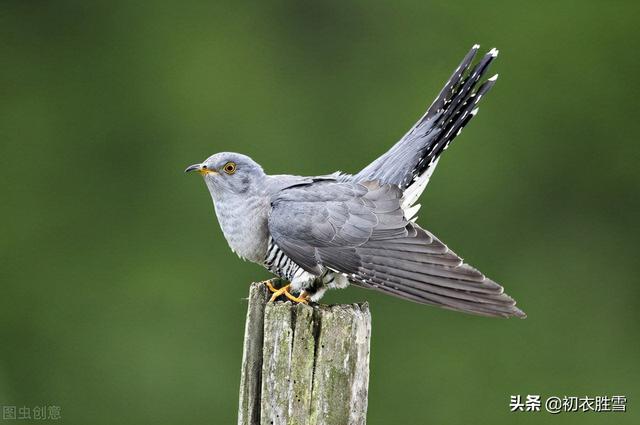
{"x": 229, "y": 167}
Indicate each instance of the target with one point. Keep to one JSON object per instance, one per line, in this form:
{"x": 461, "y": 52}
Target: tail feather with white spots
{"x": 410, "y": 162}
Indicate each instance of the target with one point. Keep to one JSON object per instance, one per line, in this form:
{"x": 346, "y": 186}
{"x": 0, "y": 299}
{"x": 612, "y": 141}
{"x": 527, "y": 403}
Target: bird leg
{"x": 303, "y": 298}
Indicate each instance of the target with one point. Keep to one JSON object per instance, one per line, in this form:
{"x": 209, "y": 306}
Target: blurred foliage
{"x": 120, "y": 299}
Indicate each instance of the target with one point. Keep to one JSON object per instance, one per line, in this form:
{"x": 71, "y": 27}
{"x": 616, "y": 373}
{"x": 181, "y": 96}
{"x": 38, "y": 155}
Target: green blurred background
{"x": 121, "y": 301}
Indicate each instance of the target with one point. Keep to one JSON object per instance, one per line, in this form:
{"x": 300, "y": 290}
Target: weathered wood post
{"x": 304, "y": 365}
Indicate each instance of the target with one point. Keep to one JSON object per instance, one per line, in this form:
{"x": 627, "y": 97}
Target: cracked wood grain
{"x": 303, "y": 364}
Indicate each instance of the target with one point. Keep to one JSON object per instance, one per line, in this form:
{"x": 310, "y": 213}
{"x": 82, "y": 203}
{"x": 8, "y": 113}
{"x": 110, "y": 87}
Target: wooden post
{"x": 304, "y": 365}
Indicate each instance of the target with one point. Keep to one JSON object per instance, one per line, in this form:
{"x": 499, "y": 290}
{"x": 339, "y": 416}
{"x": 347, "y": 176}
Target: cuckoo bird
{"x": 329, "y": 231}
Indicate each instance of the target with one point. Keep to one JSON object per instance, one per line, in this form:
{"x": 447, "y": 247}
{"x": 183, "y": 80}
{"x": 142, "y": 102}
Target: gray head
{"x": 229, "y": 173}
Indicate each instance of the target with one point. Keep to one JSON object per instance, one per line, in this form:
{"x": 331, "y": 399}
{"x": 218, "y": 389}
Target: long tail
{"x": 410, "y": 162}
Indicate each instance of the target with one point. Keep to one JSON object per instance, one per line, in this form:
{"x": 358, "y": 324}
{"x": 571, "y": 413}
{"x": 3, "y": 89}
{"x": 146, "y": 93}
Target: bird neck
{"x": 243, "y": 220}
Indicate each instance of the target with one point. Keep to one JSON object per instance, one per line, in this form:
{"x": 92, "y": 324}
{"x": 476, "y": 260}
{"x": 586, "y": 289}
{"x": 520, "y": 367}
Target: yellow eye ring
{"x": 229, "y": 167}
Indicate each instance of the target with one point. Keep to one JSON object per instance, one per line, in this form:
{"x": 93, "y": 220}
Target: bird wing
{"x": 359, "y": 229}
{"x": 410, "y": 162}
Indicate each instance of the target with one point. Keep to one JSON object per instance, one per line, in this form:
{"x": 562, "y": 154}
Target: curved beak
{"x": 193, "y": 167}
{"x": 202, "y": 169}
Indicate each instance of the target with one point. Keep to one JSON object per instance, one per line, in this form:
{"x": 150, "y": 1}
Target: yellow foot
{"x": 303, "y": 298}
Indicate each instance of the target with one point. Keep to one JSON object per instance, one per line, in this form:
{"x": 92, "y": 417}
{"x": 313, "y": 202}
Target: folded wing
{"x": 360, "y": 230}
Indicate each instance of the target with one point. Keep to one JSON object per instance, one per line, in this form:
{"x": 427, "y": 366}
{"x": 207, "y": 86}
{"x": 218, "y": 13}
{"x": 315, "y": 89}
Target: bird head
{"x": 229, "y": 173}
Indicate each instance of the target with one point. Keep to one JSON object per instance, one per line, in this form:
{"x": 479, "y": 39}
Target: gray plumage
{"x": 328, "y": 231}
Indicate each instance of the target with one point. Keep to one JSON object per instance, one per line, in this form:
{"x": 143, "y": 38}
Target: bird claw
{"x": 302, "y": 299}
{"x": 269, "y": 285}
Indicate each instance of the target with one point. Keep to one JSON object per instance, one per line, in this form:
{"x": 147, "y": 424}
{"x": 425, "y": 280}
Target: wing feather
{"x": 359, "y": 229}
